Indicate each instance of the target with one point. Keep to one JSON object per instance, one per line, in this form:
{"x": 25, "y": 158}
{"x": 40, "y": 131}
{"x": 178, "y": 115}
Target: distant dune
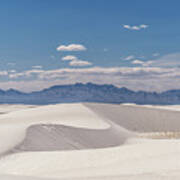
{"x": 89, "y": 142}
{"x": 139, "y": 118}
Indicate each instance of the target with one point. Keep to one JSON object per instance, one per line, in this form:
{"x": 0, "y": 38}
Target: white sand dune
{"x": 139, "y": 177}
{"x": 59, "y": 137}
{"x": 165, "y": 107}
{"x": 139, "y": 118}
{"x": 14, "y": 124}
{"x": 6, "y": 108}
{"x": 88, "y": 142}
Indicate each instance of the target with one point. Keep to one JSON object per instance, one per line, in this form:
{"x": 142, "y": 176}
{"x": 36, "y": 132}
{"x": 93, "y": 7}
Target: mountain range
{"x": 89, "y": 93}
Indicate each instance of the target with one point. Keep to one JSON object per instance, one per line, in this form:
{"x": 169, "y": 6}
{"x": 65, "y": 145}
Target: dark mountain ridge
{"x": 89, "y": 93}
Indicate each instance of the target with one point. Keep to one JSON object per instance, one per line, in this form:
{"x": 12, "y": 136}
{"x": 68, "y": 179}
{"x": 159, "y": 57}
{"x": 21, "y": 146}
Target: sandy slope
{"x": 139, "y": 118}
{"x": 14, "y": 124}
{"x": 42, "y": 136}
{"x": 59, "y": 137}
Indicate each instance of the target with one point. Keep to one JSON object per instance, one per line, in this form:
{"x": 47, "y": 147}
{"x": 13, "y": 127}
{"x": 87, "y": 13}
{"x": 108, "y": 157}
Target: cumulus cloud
{"x": 71, "y": 47}
{"x": 137, "y": 61}
{"x": 128, "y": 58}
{"x": 69, "y": 58}
{"x": 165, "y": 61}
{"x": 74, "y": 61}
{"x": 12, "y": 71}
{"x": 80, "y": 63}
{"x": 37, "y": 67}
{"x": 136, "y": 28}
{"x": 142, "y": 63}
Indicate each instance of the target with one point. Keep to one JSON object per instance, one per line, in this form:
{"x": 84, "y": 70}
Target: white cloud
{"x": 147, "y": 63}
{"x": 71, "y": 47}
{"x": 137, "y": 61}
{"x": 16, "y": 75}
{"x": 80, "y": 63}
{"x": 69, "y": 58}
{"x": 37, "y": 67}
{"x": 115, "y": 71}
{"x": 127, "y": 26}
{"x": 74, "y": 61}
{"x": 3, "y": 73}
{"x": 128, "y": 58}
{"x": 157, "y": 75}
{"x": 12, "y": 71}
{"x": 169, "y": 60}
{"x": 144, "y": 26}
{"x": 142, "y": 63}
{"x": 137, "y": 27}
{"x": 137, "y": 78}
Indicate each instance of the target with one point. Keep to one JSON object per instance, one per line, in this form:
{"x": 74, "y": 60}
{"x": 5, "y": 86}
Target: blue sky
{"x": 103, "y": 41}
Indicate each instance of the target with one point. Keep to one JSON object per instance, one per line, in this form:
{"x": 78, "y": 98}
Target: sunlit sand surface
{"x": 89, "y": 142}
